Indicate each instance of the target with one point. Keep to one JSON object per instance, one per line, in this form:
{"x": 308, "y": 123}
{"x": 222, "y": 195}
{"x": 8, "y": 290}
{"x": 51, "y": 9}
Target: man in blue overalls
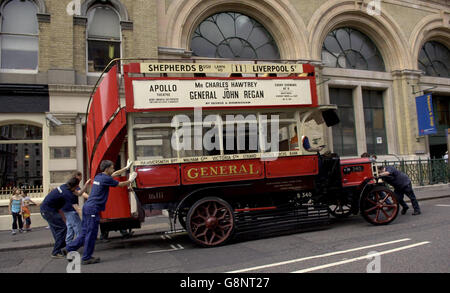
{"x": 93, "y": 206}
{"x": 402, "y": 186}
{"x": 50, "y": 207}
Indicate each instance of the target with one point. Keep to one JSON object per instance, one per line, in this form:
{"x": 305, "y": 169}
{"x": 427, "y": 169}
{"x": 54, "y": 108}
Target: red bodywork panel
{"x": 292, "y": 166}
{"x": 104, "y": 137}
{"x": 225, "y": 171}
{"x": 355, "y": 171}
{"x": 104, "y": 104}
{"x": 111, "y": 141}
{"x": 158, "y": 176}
{"x": 118, "y": 204}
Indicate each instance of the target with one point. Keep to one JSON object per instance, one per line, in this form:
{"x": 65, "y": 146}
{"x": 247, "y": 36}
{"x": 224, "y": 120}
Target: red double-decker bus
{"x": 219, "y": 144}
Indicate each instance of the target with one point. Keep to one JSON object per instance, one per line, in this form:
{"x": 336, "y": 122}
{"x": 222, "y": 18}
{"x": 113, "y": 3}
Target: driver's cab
{"x": 311, "y": 122}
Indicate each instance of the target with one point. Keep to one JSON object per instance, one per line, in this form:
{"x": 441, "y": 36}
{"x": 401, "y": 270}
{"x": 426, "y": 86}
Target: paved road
{"x": 416, "y": 244}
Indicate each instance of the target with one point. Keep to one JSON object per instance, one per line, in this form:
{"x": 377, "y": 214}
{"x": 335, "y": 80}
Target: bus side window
{"x": 240, "y": 134}
{"x": 154, "y": 143}
{"x": 152, "y": 137}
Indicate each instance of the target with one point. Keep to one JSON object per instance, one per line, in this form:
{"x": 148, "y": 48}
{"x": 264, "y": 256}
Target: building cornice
{"x": 408, "y": 73}
{"x": 175, "y": 51}
{"x": 79, "y": 20}
{"x": 43, "y": 17}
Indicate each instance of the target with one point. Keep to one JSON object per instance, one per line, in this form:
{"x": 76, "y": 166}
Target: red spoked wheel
{"x": 210, "y": 222}
{"x": 379, "y": 206}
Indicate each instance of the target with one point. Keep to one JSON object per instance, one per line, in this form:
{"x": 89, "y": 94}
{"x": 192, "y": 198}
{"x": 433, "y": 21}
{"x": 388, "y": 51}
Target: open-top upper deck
{"x": 247, "y": 110}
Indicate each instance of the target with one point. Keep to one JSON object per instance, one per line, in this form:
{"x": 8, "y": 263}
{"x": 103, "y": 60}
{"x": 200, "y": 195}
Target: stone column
{"x": 323, "y": 99}
{"x": 80, "y": 150}
{"x": 405, "y": 89}
{"x": 360, "y": 126}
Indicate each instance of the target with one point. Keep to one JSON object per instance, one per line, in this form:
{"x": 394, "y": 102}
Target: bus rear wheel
{"x": 210, "y": 222}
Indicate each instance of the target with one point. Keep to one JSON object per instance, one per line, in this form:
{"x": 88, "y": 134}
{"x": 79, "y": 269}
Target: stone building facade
{"x": 378, "y": 105}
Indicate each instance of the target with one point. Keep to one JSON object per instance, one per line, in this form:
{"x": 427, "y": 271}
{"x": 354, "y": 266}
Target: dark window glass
{"x": 349, "y": 48}
{"x": 20, "y": 163}
{"x": 438, "y": 141}
{"x": 60, "y": 153}
{"x": 233, "y": 35}
{"x": 434, "y": 59}
{"x": 344, "y": 136}
{"x": 441, "y": 105}
{"x": 101, "y": 53}
{"x": 374, "y": 122}
{"x": 103, "y": 37}
{"x": 18, "y": 167}
{"x": 19, "y": 35}
{"x": 20, "y": 132}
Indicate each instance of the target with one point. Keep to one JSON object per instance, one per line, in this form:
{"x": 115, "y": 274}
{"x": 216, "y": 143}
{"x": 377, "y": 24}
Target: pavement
{"x": 41, "y": 237}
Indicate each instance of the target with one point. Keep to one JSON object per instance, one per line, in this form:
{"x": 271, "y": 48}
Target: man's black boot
{"x": 404, "y": 210}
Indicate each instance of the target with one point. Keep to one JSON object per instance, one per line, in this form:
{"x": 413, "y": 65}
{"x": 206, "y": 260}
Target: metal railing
{"x": 32, "y": 191}
{"x": 423, "y": 172}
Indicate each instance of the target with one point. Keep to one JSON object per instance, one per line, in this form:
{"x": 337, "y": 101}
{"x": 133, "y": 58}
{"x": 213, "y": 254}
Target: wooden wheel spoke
{"x": 371, "y": 209}
{"x": 371, "y": 201}
{"x": 198, "y": 216}
{"x": 389, "y": 206}
{"x": 377, "y": 196}
{"x": 225, "y": 226}
{"x": 378, "y": 214}
{"x": 207, "y": 210}
{"x": 385, "y": 213}
{"x": 215, "y": 210}
{"x": 225, "y": 215}
{"x": 213, "y": 235}
{"x": 201, "y": 234}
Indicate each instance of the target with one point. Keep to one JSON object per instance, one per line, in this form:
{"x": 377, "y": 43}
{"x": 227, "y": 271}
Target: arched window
{"x": 19, "y": 35}
{"x": 349, "y": 48}
{"x": 103, "y": 37}
{"x": 20, "y": 157}
{"x": 233, "y": 35}
{"x": 434, "y": 59}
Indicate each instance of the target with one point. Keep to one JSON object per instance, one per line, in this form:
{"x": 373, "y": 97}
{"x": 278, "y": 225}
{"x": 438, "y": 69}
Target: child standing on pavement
{"x": 15, "y": 209}
{"x": 26, "y": 201}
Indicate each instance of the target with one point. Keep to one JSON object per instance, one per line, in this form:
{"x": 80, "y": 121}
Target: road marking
{"x": 443, "y": 205}
{"x": 359, "y": 258}
{"x": 318, "y": 256}
{"x": 173, "y": 248}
